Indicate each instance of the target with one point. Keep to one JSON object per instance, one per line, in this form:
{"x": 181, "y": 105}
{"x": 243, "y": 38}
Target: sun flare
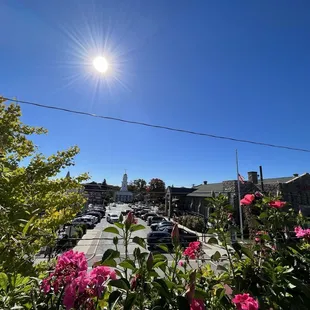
{"x": 101, "y": 64}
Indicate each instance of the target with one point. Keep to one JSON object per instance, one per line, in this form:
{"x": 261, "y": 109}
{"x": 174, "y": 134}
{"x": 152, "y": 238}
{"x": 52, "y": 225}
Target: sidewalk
{"x": 87, "y": 244}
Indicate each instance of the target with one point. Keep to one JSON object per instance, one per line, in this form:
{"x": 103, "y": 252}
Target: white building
{"x": 124, "y": 195}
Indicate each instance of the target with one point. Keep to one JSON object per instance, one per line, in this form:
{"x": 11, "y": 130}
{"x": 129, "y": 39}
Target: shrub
{"x": 84, "y": 228}
{"x": 79, "y": 231}
{"x": 192, "y": 222}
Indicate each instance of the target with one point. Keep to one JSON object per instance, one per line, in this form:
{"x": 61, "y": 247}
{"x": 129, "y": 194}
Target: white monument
{"x": 124, "y": 195}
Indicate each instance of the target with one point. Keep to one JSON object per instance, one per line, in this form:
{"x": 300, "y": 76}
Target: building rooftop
{"x": 206, "y": 190}
{"x": 180, "y": 190}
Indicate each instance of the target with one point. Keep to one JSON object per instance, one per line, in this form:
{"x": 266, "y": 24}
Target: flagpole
{"x": 239, "y": 198}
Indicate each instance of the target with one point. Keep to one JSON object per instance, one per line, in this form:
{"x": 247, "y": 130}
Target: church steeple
{"x": 124, "y": 183}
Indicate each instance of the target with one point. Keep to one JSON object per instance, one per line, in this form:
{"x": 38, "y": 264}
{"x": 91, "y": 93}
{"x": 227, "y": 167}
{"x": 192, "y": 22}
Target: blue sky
{"x": 233, "y": 68}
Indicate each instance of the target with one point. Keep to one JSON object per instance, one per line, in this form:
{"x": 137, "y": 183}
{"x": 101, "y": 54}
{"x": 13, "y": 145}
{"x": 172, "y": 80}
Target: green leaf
{"x": 109, "y": 263}
{"x": 221, "y": 267}
{"x": 216, "y": 256}
{"x": 130, "y": 301}
{"x": 112, "y": 230}
{"x": 120, "y": 283}
{"x": 128, "y": 264}
{"x": 247, "y": 252}
{"x": 4, "y": 281}
{"x": 182, "y": 303}
{"x": 140, "y": 241}
{"x": 119, "y": 225}
{"x": 110, "y": 254}
{"x": 162, "y": 288}
{"x": 136, "y": 227}
{"x": 113, "y": 298}
{"x": 200, "y": 294}
{"x": 212, "y": 240}
{"x": 159, "y": 264}
{"x": 263, "y": 215}
{"x": 163, "y": 247}
{"x": 25, "y": 230}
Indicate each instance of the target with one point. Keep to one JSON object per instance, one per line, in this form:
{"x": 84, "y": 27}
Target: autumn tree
{"x": 34, "y": 201}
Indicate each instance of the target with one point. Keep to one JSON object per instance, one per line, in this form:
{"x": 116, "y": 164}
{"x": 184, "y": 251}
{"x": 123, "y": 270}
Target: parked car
{"x": 95, "y": 213}
{"x": 160, "y": 225}
{"x": 112, "y": 218}
{"x": 93, "y": 218}
{"x": 164, "y": 237}
{"x": 82, "y": 220}
{"x": 146, "y": 215}
{"x": 98, "y": 209}
{"x": 157, "y": 219}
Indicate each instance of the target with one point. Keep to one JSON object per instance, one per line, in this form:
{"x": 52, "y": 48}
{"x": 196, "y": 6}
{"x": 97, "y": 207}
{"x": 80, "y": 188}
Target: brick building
{"x": 97, "y": 192}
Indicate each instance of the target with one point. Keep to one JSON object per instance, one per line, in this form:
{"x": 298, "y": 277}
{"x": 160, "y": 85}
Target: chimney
{"x": 252, "y": 177}
{"x": 295, "y": 175}
{"x": 205, "y": 182}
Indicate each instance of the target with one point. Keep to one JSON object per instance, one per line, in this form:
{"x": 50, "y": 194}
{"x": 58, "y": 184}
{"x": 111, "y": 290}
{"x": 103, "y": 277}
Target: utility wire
{"x": 157, "y": 126}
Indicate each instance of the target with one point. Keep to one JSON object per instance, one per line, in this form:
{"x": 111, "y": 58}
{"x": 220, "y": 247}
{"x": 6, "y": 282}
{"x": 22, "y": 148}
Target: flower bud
{"x": 149, "y": 262}
{"x": 175, "y": 234}
{"x": 190, "y": 292}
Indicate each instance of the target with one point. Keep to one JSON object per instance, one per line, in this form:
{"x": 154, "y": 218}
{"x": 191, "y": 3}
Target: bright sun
{"x": 101, "y": 64}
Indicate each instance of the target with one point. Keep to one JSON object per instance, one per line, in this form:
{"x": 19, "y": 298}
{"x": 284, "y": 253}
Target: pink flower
{"x": 101, "y": 274}
{"x": 302, "y": 233}
{"x": 197, "y": 304}
{"x": 181, "y": 263}
{"x": 195, "y": 245}
{"x": 245, "y": 302}
{"x": 299, "y": 232}
{"x": 277, "y": 204}
{"x": 192, "y": 251}
{"x": 230, "y": 216}
{"x": 247, "y": 200}
{"x": 258, "y": 236}
{"x": 68, "y": 267}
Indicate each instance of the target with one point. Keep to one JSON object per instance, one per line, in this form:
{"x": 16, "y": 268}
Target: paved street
{"x": 96, "y": 242}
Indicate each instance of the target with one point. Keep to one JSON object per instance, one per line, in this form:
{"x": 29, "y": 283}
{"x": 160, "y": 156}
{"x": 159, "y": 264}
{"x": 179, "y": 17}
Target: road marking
{"x": 96, "y": 247}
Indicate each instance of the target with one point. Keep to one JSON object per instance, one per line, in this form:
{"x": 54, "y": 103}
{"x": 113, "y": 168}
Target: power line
{"x": 157, "y": 126}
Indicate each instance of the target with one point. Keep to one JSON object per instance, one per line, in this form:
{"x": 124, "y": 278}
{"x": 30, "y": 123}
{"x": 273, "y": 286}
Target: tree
{"x": 132, "y": 187}
{"x": 157, "y": 188}
{"x": 34, "y": 202}
{"x": 140, "y": 185}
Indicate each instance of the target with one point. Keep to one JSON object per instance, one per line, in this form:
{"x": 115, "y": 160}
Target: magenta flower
{"x": 81, "y": 291}
{"x": 68, "y": 267}
{"x": 247, "y": 200}
{"x": 193, "y": 250}
{"x": 302, "y": 233}
{"x": 181, "y": 263}
{"x": 277, "y": 204}
{"x": 245, "y": 302}
{"x": 197, "y": 304}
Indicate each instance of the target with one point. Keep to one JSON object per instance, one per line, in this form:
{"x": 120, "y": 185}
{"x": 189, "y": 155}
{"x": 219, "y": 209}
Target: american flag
{"x": 241, "y": 178}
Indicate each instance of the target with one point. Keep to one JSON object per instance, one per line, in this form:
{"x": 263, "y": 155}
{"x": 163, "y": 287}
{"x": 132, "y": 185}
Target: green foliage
{"x": 192, "y": 222}
{"x": 34, "y": 202}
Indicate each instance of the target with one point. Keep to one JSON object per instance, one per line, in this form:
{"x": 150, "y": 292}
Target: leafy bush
{"x": 79, "y": 231}
{"x": 270, "y": 272}
{"x": 192, "y": 222}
